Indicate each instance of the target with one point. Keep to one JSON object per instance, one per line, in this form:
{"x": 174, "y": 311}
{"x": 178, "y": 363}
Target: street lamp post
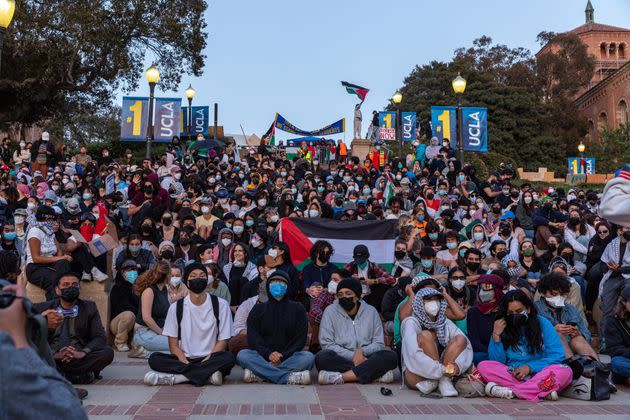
{"x": 581, "y": 149}
{"x": 397, "y": 99}
{"x": 190, "y": 94}
{"x": 152, "y": 74}
{"x": 459, "y": 86}
{"x": 7, "y": 8}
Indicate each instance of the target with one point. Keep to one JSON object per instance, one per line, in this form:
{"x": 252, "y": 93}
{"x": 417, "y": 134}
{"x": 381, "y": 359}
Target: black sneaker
{"x": 81, "y": 393}
{"x": 82, "y": 379}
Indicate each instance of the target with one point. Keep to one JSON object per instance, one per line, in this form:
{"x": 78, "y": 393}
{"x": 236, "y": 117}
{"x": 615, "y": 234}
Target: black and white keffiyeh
{"x": 439, "y": 325}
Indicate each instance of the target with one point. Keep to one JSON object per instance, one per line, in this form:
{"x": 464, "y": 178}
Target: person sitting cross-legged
{"x": 198, "y": 327}
{"x": 351, "y": 336}
{"x": 276, "y": 335}
{"x": 434, "y": 350}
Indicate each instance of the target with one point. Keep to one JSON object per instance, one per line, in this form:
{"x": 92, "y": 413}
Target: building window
{"x": 612, "y": 50}
{"x": 622, "y": 51}
{"x": 591, "y": 130}
{"x": 603, "y": 51}
{"x": 602, "y": 122}
{"x": 622, "y": 112}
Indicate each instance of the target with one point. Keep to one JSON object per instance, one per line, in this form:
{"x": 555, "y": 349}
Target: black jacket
{"x": 391, "y": 300}
{"x": 616, "y": 334}
{"x": 123, "y": 298}
{"x": 277, "y": 326}
{"x": 88, "y": 326}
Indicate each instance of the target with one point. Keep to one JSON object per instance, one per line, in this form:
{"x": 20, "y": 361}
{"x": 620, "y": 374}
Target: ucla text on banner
{"x": 577, "y": 166}
{"x": 387, "y": 125}
{"x": 408, "y": 126}
{"x": 475, "y": 130}
{"x": 167, "y": 113}
{"x": 200, "y": 120}
{"x": 334, "y": 128}
{"x": 444, "y": 123}
{"x": 134, "y": 118}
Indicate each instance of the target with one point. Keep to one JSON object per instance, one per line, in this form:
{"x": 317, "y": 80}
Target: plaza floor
{"x": 121, "y": 395}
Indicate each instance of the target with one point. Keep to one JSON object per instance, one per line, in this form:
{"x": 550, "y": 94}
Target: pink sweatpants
{"x": 552, "y": 378}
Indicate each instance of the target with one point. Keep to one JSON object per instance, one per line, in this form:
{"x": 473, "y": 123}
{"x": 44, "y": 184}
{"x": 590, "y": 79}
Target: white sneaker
{"x": 122, "y": 347}
{"x": 445, "y": 385}
{"x": 552, "y": 396}
{"x": 138, "y": 352}
{"x": 216, "y": 378}
{"x": 427, "y": 386}
{"x": 86, "y": 277}
{"x": 299, "y": 378}
{"x": 325, "y": 377}
{"x": 494, "y": 390}
{"x": 387, "y": 378}
{"x": 98, "y": 275}
{"x": 153, "y": 378}
{"x": 249, "y": 377}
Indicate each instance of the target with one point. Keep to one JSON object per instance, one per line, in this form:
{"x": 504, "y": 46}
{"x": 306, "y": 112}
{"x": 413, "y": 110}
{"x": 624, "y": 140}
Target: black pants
{"x": 82, "y": 260}
{"x": 196, "y": 371}
{"x": 376, "y": 365}
{"x": 375, "y": 298}
{"x": 95, "y": 361}
{"x": 593, "y": 278}
{"x": 45, "y": 275}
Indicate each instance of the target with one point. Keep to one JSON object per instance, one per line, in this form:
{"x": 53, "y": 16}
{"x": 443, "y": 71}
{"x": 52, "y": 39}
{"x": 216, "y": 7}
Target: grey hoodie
{"x": 343, "y": 335}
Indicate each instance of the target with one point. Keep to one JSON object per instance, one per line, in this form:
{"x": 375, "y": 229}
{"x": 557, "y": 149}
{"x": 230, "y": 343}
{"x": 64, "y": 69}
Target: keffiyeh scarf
{"x": 439, "y": 325}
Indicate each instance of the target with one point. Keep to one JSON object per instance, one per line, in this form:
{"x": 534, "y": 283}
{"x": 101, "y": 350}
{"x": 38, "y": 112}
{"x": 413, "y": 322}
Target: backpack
{"x": 180, "y": 313}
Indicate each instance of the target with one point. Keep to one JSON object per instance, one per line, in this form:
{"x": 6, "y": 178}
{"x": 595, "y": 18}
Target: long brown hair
{"x": 214, "y": 271}
{"x": 158, "y": 274}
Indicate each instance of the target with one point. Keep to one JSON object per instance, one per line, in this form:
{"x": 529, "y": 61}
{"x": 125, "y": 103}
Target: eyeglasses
{"x": 602, "y": 232}
{"x": 458, "y": 278}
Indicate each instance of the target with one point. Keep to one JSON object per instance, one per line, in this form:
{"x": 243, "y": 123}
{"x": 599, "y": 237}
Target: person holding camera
{"x": 34, "y": 387}
{"x": 76, "y": 335}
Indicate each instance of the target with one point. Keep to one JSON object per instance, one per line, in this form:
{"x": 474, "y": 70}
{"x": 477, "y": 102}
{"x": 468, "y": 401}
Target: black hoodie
{"x": 277, "y": 326}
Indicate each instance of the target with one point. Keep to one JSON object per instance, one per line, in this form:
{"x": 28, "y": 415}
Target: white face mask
{"x": 178, "y": 175}
{"x": 226, "y": 241}
{"x": 555, "y": 301}
{"x": 274, "y": 218}
{"x": 458, "y": 284}
{"x": 332, "y": 287}
{"x": 175, "y": 281}
{"x": 313, "y": 213}
{"x": 210, "y": 279}
{"x": 205, "y": 209}
{"x": 273, "y": 253}
{"x": 432, "y": 307}
{"x": 478, "y": 236}
{"x": 262, "y": 202}
{"x": 527, "y": 200}
{"x": 18, "y": 220}
{"x": 255, "y": 243}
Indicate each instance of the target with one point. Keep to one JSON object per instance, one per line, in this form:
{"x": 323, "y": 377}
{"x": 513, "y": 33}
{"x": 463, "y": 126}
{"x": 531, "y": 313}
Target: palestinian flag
{"x": 379, "y": 236}
{"x": 271, "y": 133}
{"x": 361, "y": 92}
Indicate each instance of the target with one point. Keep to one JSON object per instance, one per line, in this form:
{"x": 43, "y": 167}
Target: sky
{"x": 289, "y": 56}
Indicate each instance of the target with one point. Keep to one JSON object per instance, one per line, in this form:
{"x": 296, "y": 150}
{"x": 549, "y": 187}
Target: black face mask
{"x": 146, "y": 228}
{"x": 547, "y": 206}
{"x": 430, "y": 196}
{"x": 184, "y": 240}
{"x": 506, "y": 231}
{"x": 496, "y": 210}
{"x": 324, "y": 257}
{"x": 473, "y": 266}
{"x": 70, "y": 294}
{"x": 574, "y": 221}
{"x": 347, "y": 303}
{"x": 501, "y": 254}
{"x": 197, "y": 285}
{"x": 517, "y": 320}
{"x": 514, "y": 194}
{"x": 148, "y": 188}
{"x": 168, "y": 254}
{"x": 626, "y": 235}
{"x": 167, "y": 222}
{"x": 399, "y": 254}
{"x": 552, "y": 247}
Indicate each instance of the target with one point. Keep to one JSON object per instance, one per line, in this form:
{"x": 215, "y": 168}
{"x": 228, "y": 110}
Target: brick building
{"x": 606, "y": 102}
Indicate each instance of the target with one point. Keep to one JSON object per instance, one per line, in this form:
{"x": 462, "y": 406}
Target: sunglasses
{"x": 602, "y": 232}
{"x": 458, "y": 278}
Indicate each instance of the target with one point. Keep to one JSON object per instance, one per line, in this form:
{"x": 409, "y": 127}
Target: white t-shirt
{"x": 199, "y": 328}
{"x": 242, "y": 313}
{"x": 44, "y": 251}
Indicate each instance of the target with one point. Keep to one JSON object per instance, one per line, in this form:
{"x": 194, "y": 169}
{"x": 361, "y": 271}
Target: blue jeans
{"x": 582, "y": 283}
{"x": 529, "y": 233}
{"x": 620, "y": 368}
{"x": 252, "y": 360}
{"x": 151, "y": 341}
{"x": 479, "y": 356}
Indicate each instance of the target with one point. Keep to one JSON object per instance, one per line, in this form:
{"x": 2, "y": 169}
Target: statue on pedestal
{"x": 358, "y": 117}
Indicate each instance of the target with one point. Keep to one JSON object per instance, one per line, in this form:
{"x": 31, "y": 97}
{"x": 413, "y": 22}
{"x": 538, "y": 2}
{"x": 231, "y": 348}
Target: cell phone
{"x": 573, "y": 324}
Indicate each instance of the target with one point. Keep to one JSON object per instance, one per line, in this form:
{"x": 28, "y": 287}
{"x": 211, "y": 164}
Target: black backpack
{"x": 180, "y": 313}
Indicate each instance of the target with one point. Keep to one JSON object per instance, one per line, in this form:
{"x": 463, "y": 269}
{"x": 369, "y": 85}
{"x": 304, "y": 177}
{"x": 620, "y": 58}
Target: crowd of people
{"x": 491, "y": 276}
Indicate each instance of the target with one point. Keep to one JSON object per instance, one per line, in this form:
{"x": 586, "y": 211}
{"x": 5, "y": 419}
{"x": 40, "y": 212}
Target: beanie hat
{"x": 191, "y": 267}
{"x": 164, "y": 244}
{"x": 352, "y": 284}
{"x": 279, "y": 275}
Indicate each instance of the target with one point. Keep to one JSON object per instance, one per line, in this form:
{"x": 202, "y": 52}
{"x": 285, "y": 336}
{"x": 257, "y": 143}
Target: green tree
{"x": 613, "y": 152}
{"x": 64, "y": 55}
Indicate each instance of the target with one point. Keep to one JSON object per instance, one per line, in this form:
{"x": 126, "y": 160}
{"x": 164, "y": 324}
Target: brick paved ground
{"x": 121, "y": 395}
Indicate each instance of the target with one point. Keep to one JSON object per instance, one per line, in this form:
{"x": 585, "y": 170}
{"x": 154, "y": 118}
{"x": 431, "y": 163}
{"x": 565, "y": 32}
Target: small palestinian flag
{"x": 271, "y": 133}
{"x": 379, "y": 236}
{"x": 361, "y": 92}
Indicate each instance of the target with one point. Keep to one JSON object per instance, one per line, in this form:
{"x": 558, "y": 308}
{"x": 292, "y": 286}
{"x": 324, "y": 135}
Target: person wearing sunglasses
{"x": 594, "y": 267}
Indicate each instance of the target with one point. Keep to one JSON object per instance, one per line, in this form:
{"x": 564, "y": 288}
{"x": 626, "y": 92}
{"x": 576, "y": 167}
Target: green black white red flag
{"x": 352, "y": 89}
{"x": 300, "y": 235}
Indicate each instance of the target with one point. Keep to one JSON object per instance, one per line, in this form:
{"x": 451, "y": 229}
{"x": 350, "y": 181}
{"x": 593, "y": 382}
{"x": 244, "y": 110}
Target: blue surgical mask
{"x": 131, "y": 276}
{"x": 420, "y": 218}
{"x": 427, "y": 263}
{"x": 462, "y": 252}
{"x": 277, "y": 289}
{"x": 249, "y": 223}
{"x": 135, "y": 248}
{"x": 9, "y": 236}
{"x": 433, "y": 236}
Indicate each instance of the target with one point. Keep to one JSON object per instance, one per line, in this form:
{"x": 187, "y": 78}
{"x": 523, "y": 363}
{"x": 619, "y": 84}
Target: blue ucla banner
{"x": 444, "y": 123}
{"x": 475, "y": 130}
{"x": 334, "y": 128}
{"x": 408, "y": 126}
{"x": 579, "y": 166}
{"x": 387, "y": 125}
{"x": 134, "y": 118}
{"x": 200, "y": 120}
{"x": 167, "y": 118}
